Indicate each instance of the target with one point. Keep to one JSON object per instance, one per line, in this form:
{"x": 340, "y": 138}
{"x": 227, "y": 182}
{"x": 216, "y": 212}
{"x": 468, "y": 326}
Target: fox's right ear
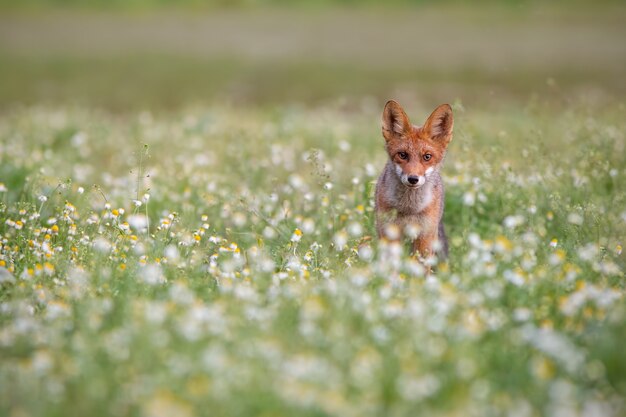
{"x": 440, "y": 124}
{"x": 395, "y": 121}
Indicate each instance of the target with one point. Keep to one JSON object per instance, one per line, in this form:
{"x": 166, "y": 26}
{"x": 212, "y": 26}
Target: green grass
{"x": 221, "y": 308}
{"x": 487, "y": 57}
{"x": 187, "y": 224}
{"x": 170, "y": 82}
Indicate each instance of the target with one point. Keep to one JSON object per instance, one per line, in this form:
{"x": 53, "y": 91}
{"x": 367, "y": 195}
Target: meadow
{"x": 218, "y": 257}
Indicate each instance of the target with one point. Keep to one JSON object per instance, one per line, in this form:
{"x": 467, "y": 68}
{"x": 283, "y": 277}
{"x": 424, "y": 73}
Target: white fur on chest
{"x": 409, "y": 201}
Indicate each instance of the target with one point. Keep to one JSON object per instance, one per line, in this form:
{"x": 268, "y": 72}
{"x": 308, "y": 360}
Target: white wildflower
{"x": 512, "y": 222}
{"x": 575, "y": 218}
{"x": 355, "y": 229}
{"x": 102, "y": 245}
{"x": 340, "y": 239}
{"x": 365, "y": 252}
{"x": 138, "y": 222}
{"x": 171, "y": 253}
{"x": 469, "y": 198}
{"x": 152, "y": 274}
{"x": 6, "y": 276}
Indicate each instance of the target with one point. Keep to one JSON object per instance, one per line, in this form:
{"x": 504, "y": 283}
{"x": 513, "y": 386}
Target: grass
{"x": 158, "y": 60}
{"x": 187, "y": 226}
{"x": 221, "y": 261}
{"x": 174, "y": 82}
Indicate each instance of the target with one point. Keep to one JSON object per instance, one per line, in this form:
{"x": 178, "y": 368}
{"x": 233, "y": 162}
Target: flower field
{"x": 222, "y": 261}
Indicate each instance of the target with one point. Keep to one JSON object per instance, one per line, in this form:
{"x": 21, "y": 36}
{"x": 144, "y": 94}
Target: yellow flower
{"x": 48, "y": 268}
{"x": 543, "y": 368}
{"x": 503, "y": 244}
{"x": 296, "y": 236}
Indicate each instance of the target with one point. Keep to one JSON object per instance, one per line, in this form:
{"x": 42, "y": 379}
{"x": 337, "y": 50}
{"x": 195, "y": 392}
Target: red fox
{"x": 409, "y": 192}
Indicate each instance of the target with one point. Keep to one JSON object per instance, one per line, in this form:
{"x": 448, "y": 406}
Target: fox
{"x": 409, "y": 196}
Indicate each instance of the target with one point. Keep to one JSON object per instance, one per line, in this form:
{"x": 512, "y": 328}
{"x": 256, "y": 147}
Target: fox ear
{"x": 395, "y": 120}
{"x": 440, "y": 123}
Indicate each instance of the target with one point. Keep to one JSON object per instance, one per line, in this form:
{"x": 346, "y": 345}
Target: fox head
{"x": 416, "y": 152}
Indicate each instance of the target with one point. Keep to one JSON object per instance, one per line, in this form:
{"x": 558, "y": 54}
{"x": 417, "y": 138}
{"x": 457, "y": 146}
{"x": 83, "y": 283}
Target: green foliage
{"x": 221, "y": 261}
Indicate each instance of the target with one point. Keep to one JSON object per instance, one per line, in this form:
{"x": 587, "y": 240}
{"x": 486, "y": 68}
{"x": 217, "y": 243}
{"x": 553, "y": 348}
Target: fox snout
{"x": 413, "y": 180}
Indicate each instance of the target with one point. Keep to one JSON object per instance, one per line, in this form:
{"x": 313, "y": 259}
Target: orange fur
{"x": 409, "y": 192}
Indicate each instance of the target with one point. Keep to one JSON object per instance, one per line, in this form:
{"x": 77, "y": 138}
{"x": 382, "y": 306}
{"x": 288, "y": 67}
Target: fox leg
{"x": 423, "y": 247}
{"x": 443, "y": 242}
{"x": 387, "y": 226}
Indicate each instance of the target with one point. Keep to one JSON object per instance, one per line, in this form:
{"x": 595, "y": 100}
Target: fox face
{"x": 416, "y": 151}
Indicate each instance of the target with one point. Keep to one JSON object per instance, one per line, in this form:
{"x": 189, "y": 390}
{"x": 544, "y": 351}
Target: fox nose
{"x": 413, "y": 179}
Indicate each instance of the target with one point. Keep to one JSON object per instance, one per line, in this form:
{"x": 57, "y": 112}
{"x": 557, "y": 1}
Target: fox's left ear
{"x": 440, "y": 123}
{"x": 395, "y": 121}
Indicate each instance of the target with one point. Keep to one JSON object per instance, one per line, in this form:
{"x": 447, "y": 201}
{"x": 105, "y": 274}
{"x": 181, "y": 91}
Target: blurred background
{"x": 163, "y": 55}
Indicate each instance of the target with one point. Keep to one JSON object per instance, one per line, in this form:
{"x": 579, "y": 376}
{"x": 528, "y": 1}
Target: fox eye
{"x": 427, "y": 157}
{"x": 403, "y": 155}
